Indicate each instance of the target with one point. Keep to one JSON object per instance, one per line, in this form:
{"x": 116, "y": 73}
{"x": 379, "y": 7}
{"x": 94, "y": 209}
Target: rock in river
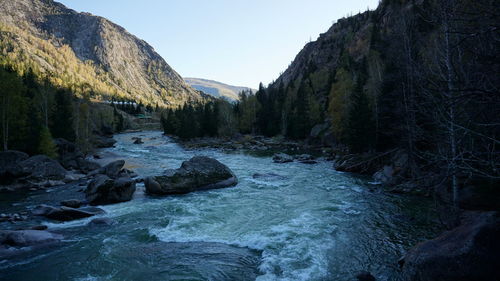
{"x": 113, "y": 169}
{"x": 104, "y": 190}
{"x": 13, "y": 242}
{"x": 63, "y": 213}
{"x": 468, "y": 252}
{"x": 199, "y": 173}
{"x": 282, "y": 158}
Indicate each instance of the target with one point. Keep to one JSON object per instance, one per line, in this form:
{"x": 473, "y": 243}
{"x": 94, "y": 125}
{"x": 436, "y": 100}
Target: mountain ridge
{"x": 216, "y": 88}
{"x": 133, "y": 68}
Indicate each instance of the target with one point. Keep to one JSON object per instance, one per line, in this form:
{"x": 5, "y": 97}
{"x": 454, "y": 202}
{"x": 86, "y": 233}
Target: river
{"x": 293, "y": 222}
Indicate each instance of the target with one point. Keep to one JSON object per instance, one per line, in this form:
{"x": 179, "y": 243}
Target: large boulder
{"x": 41, "y": 167}
{"x": 9, "y": 165}
{"x": 23, "y": 238}
{"x": 103, "y": 142}
{"x": 63, "y": 213}
{"x": 71, "y": 157}
{"x": 104, "y": 190}
{"x": 113, "y": 169}
{"x": 468, "y": 252}
{"x": 199, "y": 173}
{"x": 15, "y": 242}
{"x": 282, "y": 158}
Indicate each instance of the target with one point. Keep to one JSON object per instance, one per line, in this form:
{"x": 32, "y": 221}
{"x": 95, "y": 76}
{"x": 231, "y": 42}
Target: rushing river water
{"x": 301, "y": 222}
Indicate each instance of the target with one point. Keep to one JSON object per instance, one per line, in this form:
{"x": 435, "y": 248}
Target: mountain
{"x": 217, "y": 89}
{"x": 86, "y": 53}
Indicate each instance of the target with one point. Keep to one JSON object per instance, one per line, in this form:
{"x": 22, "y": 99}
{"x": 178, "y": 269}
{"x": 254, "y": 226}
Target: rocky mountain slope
{"x": 217, "y": 89}
{"x": 86, "y": 53}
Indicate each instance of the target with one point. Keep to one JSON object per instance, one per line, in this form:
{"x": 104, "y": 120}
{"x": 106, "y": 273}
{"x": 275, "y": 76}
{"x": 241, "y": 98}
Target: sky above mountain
{"x": 241, "y": 42}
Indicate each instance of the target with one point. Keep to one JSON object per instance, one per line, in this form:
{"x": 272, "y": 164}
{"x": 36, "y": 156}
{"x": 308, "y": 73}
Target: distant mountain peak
{"x": 217, "y": 89}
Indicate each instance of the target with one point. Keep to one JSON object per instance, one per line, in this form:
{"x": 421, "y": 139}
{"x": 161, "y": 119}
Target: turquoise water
{"x": 306, "y": 222}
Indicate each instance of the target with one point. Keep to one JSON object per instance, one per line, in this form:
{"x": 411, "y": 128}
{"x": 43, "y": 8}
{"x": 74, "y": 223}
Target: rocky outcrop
{"x": 70, "y": 157}
{"x": 128, "y": 65}
{"x": 64, "y": 213}
{"x": 9, "y": 165}
{"x": 199, "y": 173}
{"x": 41, "y": 167}
{"x": 468, "y": 252}
{"x": 112, "y": 169}
{"x": 282, "y": 158}
{"x": 104, "y": 190}
{"x": 103, "y": 141}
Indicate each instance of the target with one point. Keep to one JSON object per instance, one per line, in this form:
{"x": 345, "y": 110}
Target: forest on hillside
{"x": 421, "y": 76}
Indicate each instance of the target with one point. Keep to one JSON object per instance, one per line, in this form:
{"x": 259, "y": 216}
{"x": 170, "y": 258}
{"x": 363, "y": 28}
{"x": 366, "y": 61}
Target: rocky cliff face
{"x": 128, "y": 65}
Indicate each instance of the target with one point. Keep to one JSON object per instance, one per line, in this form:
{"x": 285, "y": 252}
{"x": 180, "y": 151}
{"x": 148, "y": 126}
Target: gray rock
{"x": 138, "y": 141}
{"x": 104, "y": 190}
{"x": 101, "y": 222}
{"x": 72, "y": 203}
{"x": 309, "y": 162}
{"x": 318, "y": 130}
{"x": 385, "y": 175}
{"x": 113, "y": 169}
{"x": 85, "y": 165}
{"x": 62, "y": 213}
{"x": 199, "y": 173}
{"x": 303, "y": 157}
{"x": 41, "y": 167}
{"x": 103, "y": 142}
{"x": 9, "y": 165}
{"x": 282, "y": 158}
{"x": 23, "y": 238}
{"x": 468, "y": 252}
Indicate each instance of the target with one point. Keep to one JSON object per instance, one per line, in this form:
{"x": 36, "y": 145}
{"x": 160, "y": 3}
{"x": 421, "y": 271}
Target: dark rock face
{"x": 104, "y": 190}
{"x": 199, "y": 173}
{"x": 468, "y": 252}
{"x": 9, "y": 165}
{"x": 137, "y": 140}
{"x": 41, "y": 167}
{"x": 282, "y": 158}
{"x": 62, "y": 213}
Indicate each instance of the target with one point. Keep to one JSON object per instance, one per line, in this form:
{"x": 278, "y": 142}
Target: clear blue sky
{"x": 238, "y": 42}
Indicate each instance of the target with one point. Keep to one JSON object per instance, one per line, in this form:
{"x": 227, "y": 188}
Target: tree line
{"x": 33, "y": 113}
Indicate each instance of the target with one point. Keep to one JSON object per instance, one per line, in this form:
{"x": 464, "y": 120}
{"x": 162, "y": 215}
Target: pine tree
{"x": 62, "y": 121}
{"x": 360, "y": 132}
{"x": 47, "y": 145}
